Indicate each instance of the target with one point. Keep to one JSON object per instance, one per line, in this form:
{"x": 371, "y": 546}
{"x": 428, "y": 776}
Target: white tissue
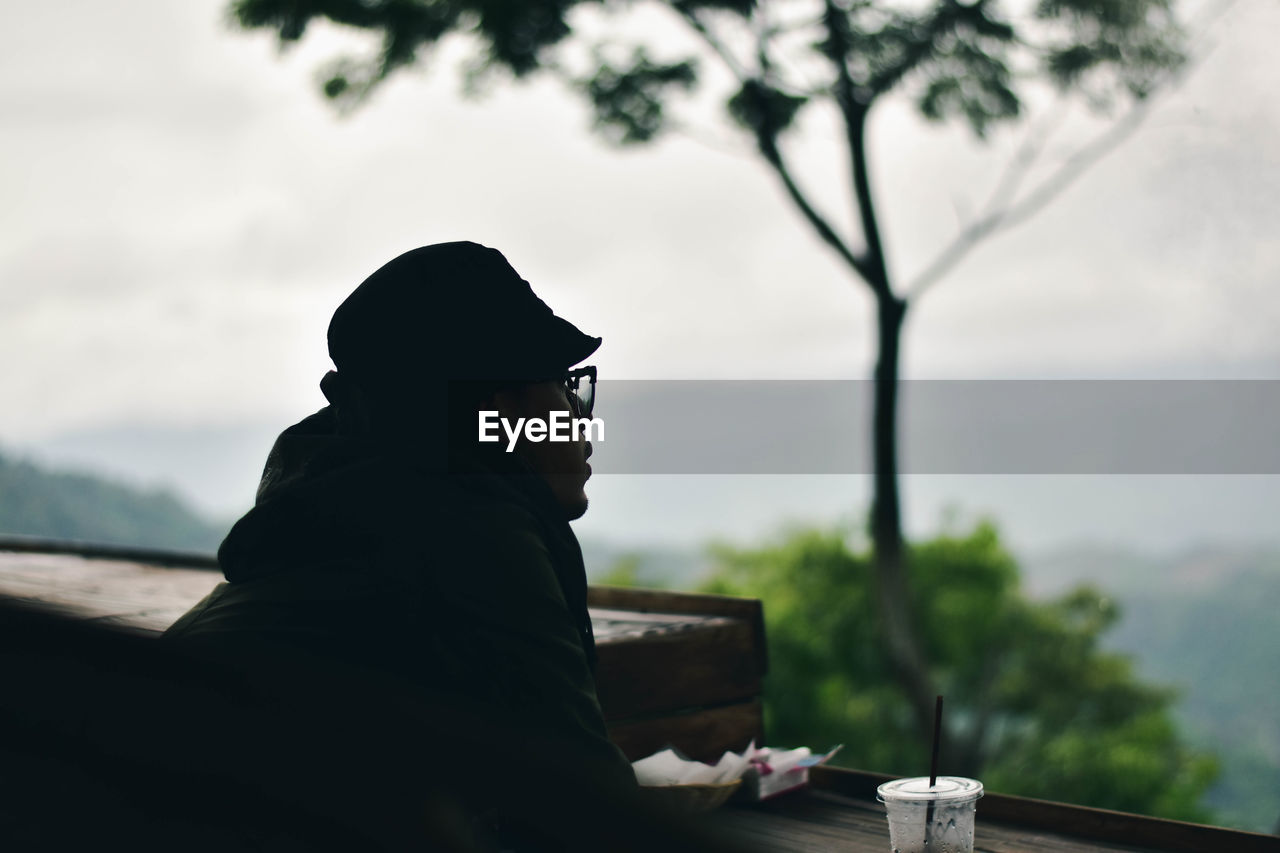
{"x": 667, "y": 768}
{"x": 767, "y": 771}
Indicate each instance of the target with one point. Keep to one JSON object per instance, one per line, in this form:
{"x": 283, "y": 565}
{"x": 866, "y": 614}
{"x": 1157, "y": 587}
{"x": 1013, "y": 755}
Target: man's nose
{"x": 586, "y": 454}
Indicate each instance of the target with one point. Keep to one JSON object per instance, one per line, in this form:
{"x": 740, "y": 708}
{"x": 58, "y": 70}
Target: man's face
{"x": 562, "y": 464}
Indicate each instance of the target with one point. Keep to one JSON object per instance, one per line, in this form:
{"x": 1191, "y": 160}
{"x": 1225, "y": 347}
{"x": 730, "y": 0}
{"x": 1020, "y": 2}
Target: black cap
{"x": 451, "y": 311}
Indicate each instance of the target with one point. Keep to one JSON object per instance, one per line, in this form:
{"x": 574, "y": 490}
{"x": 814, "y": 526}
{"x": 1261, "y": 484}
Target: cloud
{"x": 185, "y": 207}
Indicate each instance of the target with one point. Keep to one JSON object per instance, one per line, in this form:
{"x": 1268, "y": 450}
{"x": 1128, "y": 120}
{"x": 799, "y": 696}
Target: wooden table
{"x": 826, "y": 822}
{"x": 839, "y": 814}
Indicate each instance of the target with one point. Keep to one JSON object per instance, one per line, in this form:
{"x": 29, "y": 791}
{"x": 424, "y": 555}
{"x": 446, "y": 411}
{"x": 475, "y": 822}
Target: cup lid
{"x": 917, "y": 789}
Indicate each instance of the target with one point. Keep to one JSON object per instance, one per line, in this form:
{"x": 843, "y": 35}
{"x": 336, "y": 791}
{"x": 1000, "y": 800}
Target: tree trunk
{"x": 899, "y": 630}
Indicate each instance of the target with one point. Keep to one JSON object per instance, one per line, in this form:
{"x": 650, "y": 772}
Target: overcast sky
{"x": 183, "y": 212}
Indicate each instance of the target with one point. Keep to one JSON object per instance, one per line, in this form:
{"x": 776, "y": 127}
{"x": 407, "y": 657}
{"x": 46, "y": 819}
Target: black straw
{"x": 933, "y": 767}
{"x": 937, "y": 732}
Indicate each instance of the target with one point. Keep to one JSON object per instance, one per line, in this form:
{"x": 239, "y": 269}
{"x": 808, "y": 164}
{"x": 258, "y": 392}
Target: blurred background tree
{"x": 975, "y": 62}
{"x": 1036, "y": 707}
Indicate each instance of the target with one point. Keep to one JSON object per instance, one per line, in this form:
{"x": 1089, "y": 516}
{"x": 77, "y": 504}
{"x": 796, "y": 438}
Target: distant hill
{"x": 1202, "y": 621}
{"x": 215, "y": 468}
{"x": 36, "y": 501}
{"x": 1221, "y": 646}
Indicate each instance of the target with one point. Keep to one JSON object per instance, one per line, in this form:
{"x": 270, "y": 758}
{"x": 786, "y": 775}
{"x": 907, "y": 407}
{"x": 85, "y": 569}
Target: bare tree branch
{"x": 717, "y": 46}
{"x": 1031, "y": 204}
{"x": 769, "y": 150}
{"x": 768, "y": 147}
{"x": 1002, "y": 214}
{"x": 874, "y": 269}
{"x": 708, "y": 138}
{"x": 1010, "y": 181}
{"x": 805, "y": 87}
{"x": 769, "y": 60}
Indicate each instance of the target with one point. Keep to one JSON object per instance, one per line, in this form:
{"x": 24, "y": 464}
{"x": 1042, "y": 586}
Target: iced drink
{"x": 924, "y": 819}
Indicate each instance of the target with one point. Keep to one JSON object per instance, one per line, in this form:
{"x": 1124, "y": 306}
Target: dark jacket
{"x": 467, "y": 583}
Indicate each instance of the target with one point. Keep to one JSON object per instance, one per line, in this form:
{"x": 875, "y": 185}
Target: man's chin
{"x": 577, "y": 509}
{"x": 571, "y": 495}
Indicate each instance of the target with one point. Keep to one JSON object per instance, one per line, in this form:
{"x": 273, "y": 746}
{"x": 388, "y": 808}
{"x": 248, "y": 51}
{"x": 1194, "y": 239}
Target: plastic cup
{"x": 924, "y": 819}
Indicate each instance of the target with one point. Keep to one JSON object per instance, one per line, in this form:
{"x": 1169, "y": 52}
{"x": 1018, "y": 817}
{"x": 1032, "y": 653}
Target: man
{"x": 386, "y": 536}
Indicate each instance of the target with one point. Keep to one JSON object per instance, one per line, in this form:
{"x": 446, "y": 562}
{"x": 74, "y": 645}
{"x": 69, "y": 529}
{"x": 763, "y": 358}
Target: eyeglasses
{"x": 582, "y": 395}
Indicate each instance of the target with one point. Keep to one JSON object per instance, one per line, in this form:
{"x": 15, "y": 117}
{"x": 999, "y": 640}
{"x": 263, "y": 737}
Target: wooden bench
{"x": 674, "y": 668}
{"x": 679, "y": 669}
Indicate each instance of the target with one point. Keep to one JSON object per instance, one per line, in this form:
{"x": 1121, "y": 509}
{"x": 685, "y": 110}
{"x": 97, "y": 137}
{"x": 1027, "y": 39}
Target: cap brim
{"x": 573, "y": 344}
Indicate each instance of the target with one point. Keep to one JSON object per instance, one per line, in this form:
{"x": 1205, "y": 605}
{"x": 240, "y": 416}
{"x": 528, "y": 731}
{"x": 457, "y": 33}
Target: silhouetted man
{"x": 387, "y": 535}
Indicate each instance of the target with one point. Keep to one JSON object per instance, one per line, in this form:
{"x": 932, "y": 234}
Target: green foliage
{"x": 646, "y": 569}
{"x": 1034, "y": 705}
{"x": 653, "y": 567}
{"x": 1101, "y": 45}
{"x": 975, "y": 85}
{"x": 763, "y": 110}
{"x": 742, "y": 8}
{"x": 514, "y": 36}
{"x": 954, "y": 59}
{"x": 624, "y": 572}
{"x": 34, "y": 502}
{"x": 628, "y": 99}
{"x": 965, "y": 60}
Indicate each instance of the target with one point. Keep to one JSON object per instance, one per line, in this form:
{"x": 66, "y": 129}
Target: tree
{"x": 972, "y": 61}
{"x": 1037, "y": 708}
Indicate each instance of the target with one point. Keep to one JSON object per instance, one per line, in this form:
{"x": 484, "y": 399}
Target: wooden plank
{"x": 708, "y": 663}
{"x": 103, "y": 584}
{"x": 1083, "y": 822}
{"x": 703, "y": 735}
{"x": 642, "y": 600}
{"x": 103, "y": 571}
{"x": 750, "y": 610}
{"x": 142, "y": 596}
{"x": 612, "y": 626}
{"x": 149, "y": 556}
{"x": 802, "y": 823}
